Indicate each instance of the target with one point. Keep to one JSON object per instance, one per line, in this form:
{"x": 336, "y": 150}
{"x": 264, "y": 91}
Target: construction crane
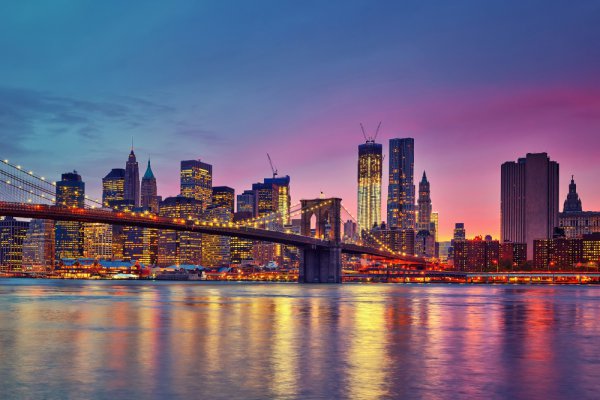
{"x": 272, "y": 167}
{"x": 370, "y": 138}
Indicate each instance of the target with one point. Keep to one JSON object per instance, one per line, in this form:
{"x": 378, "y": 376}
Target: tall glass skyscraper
{"x": 196, "y": 181}
{"x": 401, "y": 188}
{"x": 370, "y": 158}
{"x": 70, "y": 192}
{"x": 113, "y": 188}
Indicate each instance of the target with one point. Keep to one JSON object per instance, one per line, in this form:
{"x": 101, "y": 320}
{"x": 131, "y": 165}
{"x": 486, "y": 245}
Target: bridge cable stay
{"x": 382, "y": 245}
{"x": 31, "y": 186}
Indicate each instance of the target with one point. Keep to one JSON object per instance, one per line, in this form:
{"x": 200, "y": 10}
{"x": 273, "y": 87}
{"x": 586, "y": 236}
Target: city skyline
{"x": 491, "y": 102}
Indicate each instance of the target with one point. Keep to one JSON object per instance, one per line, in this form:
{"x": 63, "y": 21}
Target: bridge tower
{"x": 322, "y": 263}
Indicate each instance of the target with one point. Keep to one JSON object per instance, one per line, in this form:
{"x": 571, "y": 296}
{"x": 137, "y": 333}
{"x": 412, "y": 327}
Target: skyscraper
{"x": 176, "y": 248}
{"x": 113, "y": 188}
{"x": 196, "y": 181}
{"x": 132, "y": 180}
{"x": 424, "y": 223}
{"x": 245, "y": 202}
{"x": 12, "y": 236}
{"x": 401, "y": 188}
{"x": 149, "y": 197}
{"x": 38, "y": 247}
{"x": 529, "y": 200}
{"x": 223, "y": 196}
{"x": 369, "y": 184}
{"x": 70, "y": 192}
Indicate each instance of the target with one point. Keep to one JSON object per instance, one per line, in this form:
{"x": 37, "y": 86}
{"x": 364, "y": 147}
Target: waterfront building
{"x": 591, "y": 249}
{"x": 176, "y": 248}
{"x": 113, "y": 188}
{"x": 132, "y": 180}
{"x": 476, "y": 254}
{"x": 245, "y": 202}
{"x": 38, "y": 246}
{"x": 97, "y": 241}
{"x": 401, "y": 187}
{"x": 140, "y": 244}
{"x": 216, "y": 248}
{"x": 240, "y": 249}
{"x": 557, "y": 253}
{"x": 394, "y": 238}
{"x": 196, "y": 181}
{"x": 512, "y": 255}
{"x": 370, "y": 159}
{"x": 573, "y": 220}
{"x": 529, "y": 200}
{"x": 70, "y": 192}
{"x": 12, "y": 236}
{"x": 223, "y": 196}
{"x": 149, "y": 191}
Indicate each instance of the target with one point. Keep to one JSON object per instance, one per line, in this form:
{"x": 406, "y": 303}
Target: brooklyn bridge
{"x": 26, "y": 195}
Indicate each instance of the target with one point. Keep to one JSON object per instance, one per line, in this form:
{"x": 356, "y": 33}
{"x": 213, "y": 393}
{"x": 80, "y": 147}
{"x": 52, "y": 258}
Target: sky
{"x": 475, "y": 83}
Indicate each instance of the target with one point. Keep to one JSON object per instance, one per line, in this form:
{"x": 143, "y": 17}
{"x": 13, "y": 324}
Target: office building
{"x": 240, "y": 249}
{"x": 176, "y": 248}
{"x": 132, "y": 180}
{"x": 216, "y": 248}
{"x": 70, "y": 192}
{"x": 529, "y": 200}
{"x": 38, "y": 247}
{"x": 401, "y": 188}
{"x": 97, "y": 241}
{"x": 12, "y": 236}
{"x": 113, "y": 188}
{"x": 196, "y": 181}
{"x": 149, "y": 194}
{"x": 370, "y": 159}
{"x": 245, "y": 202}
{"x": 223, "y": 196}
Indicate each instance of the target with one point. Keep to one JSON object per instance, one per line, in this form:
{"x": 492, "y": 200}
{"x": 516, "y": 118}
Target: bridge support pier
{"x": 321, "y": 265}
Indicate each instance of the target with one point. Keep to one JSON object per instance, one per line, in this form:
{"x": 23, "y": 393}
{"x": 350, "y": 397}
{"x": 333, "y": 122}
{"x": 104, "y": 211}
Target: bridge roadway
{"x": 41, "y": 211}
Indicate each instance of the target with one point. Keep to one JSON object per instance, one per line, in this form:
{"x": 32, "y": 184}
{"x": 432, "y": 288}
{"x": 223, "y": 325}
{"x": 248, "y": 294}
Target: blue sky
{"x": 476, "y": 83}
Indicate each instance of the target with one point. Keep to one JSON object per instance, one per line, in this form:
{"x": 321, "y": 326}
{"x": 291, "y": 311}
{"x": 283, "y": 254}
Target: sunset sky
{"x": 476, "y": 83}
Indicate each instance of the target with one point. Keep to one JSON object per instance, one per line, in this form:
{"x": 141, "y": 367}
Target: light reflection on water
{"x": 157, "y": 340}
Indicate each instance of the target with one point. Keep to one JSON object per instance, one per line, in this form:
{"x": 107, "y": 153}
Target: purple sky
{"x": 475, "y": 83}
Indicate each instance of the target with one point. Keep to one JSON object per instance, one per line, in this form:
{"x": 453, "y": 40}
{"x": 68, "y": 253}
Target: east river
{"x": 163, "y": 340}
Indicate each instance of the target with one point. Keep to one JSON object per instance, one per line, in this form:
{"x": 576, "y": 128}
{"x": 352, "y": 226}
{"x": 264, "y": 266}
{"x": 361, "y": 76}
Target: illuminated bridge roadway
{"x": 321, "y": 257}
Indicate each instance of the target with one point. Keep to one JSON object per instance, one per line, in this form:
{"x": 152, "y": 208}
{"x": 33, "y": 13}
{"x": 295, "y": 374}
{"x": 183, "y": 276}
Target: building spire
{"x": 573, "y": 202}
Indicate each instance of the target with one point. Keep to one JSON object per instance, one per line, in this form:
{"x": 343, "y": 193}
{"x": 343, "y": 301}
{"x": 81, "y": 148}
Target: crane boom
{"x": 272, "y": 167}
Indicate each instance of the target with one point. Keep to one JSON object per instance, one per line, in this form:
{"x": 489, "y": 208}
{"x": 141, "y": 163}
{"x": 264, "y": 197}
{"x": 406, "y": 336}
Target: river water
{"x": 162, "y": 340}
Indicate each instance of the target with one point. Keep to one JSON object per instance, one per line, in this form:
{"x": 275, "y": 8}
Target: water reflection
{"x": 209, "y": 340}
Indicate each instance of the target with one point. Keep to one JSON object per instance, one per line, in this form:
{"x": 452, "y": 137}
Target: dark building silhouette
{"x": 529, "y": 200}
{"x": 132, "y": 180}
{"x": 149, "y": 196}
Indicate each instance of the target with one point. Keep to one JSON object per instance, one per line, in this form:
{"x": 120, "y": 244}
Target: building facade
{"x": 529, "y": 200}
{"x": 216, "y": 248}
{"x": 573, "y": 220}
{"x": 149, "y": 192}
{"x": 223, "y": 196}
{"x": 401, "y": 187}
{"x": 70, "y": 192}
{"x": 370, "y": 158}
{"x": 476, "y": 255}
{"x": 177, "y": 248}
{"x": 12, "y": 237}
{"x": 113, "y": 188}
{"x": 132, "y": 180}
{"x": 38, "y": 247}
{"x": 196, "y": 181}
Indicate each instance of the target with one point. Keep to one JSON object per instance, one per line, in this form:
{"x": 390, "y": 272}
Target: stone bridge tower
{"x": 322, "y": 263}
